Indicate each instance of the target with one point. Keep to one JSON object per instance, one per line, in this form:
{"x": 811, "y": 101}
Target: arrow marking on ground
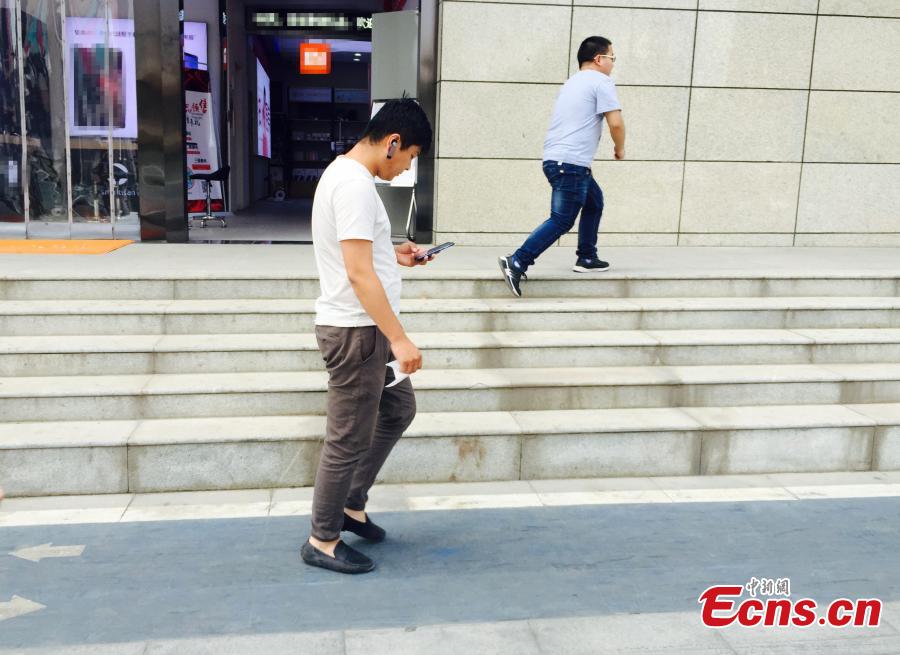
{"x": 37, "y": 553}
{"x": 18, "y": 607}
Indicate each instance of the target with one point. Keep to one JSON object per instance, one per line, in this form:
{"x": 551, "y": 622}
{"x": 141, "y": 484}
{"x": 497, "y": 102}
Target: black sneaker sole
{"x": 504, "y": 266}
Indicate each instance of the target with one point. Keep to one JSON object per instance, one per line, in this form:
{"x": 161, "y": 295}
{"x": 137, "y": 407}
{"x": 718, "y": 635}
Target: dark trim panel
{"x": 427, "y": 96}
{"x": 160, "y": 97}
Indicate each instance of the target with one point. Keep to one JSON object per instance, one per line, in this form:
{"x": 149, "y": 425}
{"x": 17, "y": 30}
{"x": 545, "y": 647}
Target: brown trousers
{"x": 364, "y": 421}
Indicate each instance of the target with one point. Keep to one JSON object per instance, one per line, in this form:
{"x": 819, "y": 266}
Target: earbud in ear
{"x": 392, "y": 149}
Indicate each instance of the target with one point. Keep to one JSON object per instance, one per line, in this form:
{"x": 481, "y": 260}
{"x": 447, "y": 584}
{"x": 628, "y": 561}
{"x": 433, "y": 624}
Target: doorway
{"x": 307, "y": 116}
{"x": 296, "y": 94}
{"x": 291, "y": 87}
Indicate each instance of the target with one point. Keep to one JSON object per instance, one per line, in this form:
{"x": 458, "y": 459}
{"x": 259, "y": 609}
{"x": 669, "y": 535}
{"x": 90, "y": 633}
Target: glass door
{"x": 12, "y": 197}
{"x": 68, "y": 119}
{"x": 46, "y": 133}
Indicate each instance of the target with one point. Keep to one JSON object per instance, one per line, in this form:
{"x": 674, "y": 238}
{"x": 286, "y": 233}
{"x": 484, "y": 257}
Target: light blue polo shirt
{"x": 577, "y": 121}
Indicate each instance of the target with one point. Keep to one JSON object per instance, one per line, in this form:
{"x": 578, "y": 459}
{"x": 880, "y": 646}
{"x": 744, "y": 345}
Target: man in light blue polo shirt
{"x": 585, "y": 100}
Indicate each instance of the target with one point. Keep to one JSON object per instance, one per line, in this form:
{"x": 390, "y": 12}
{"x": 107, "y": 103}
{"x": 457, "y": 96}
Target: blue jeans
{"x": 574, "y": 190}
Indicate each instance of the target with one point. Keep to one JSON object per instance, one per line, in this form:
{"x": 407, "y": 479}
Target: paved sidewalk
{"x": 237, "y": 261}
{"x": 555, "y": 567}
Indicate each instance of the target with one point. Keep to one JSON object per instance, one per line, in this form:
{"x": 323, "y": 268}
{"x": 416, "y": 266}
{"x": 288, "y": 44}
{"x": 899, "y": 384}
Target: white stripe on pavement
{"x": 257, "y": 503}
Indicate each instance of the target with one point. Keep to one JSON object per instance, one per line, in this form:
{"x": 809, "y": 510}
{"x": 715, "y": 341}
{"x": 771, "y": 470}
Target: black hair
{"x": 591, "y": 47}
{"x": 404, "y": 117}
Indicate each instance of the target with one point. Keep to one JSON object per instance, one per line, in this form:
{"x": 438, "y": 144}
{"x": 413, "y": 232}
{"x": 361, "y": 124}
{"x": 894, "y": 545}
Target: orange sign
{"x": 315, "y": 59}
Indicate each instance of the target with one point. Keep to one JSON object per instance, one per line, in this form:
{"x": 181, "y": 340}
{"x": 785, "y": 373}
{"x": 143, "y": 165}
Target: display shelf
{"x": 320, "y": 117}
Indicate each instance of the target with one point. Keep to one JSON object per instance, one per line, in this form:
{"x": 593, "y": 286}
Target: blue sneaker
{"x": 583, "y": 265}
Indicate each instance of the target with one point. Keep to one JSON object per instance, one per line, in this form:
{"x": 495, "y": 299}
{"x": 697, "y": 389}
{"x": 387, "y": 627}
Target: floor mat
{"x": 60, "y": 247}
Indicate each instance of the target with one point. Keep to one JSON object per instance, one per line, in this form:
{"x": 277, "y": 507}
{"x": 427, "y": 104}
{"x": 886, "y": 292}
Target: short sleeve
{"x": 607, "y": 99}
{"x": 354, "y": 210}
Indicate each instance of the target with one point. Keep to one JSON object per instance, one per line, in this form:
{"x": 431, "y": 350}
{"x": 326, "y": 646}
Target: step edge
{"x": 508, "y": 424}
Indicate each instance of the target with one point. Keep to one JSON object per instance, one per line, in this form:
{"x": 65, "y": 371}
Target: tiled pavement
{"x": 578, "y": 566}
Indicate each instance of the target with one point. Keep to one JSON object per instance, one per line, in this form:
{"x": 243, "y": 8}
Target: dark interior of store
{"x": 314, "y": 118}
{"x": 304, "y": 117}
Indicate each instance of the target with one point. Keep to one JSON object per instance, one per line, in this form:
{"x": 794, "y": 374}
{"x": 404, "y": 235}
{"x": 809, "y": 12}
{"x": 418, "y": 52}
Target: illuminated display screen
{"x": 263, "y": 112}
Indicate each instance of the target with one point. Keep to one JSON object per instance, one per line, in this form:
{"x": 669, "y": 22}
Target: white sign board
{"x": 202, "y": 150}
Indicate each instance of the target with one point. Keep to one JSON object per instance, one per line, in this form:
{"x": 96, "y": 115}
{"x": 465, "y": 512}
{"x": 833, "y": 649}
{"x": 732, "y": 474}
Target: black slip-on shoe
{"x": 345, "y": 560}
{"x": 511, "y": 275}
{"x": 583, "y": 265}
{"x": 367, "y": 530}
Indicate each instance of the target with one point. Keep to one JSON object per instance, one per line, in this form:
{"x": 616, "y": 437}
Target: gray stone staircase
{"x": 168, "y": 382}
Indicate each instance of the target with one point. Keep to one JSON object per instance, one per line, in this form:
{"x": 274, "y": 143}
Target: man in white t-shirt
{"x": 359, "y": 332}
{"x": 585, "y": 100}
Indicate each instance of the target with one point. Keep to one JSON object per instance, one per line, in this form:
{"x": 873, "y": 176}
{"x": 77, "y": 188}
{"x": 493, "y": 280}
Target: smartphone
{"x": 434, "y": 251}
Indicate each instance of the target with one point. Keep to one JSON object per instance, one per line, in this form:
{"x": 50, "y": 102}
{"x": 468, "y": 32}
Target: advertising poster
{"x": 201, "y": 144}
{"x": 263, "y": 113}
{"x": 102, "y": 91}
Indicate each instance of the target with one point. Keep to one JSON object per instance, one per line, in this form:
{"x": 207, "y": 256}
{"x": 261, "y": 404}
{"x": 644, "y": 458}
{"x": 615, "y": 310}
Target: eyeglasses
{"x": 610, "y": 57}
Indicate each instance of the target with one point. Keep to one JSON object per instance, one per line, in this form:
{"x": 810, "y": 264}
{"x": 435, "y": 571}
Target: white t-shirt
{"x": 577, "y": 122}
{"x": 347, "y": 206}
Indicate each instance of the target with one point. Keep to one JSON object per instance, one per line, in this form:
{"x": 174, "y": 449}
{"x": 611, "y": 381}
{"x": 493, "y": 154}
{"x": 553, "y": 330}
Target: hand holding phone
{"x": 433, "y": 251}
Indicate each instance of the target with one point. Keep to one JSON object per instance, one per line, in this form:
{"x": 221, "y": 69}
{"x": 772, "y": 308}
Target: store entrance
{"x": 286, "y": 88}
{"x": 308, "y": 114}
{"x": 297, "y": 94}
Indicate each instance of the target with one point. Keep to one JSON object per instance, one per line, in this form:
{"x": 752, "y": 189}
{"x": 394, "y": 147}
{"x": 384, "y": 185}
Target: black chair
{"x": 216, "y": 176}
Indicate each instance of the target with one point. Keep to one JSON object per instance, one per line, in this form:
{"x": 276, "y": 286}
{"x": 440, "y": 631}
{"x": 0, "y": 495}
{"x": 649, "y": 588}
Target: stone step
{"x": 485, "y": 282}
{"x": 236, "y": 353}
{"x": 243, "y": 316}
{"x": 71, "y": 398}
{"x": 119, "y": 456}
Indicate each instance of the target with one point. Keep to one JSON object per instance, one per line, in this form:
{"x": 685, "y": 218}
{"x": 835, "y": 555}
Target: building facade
{"x": 749, "y": 122}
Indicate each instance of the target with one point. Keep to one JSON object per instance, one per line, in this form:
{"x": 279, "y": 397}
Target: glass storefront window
{"x": 102, "y": 110}
{"x": 93, "y": 78}
{"x": 45, "y": 122}
{"x": 68, "y": 119}
{"x": 124, "y": 141}
{"x": 12, "y": 210}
